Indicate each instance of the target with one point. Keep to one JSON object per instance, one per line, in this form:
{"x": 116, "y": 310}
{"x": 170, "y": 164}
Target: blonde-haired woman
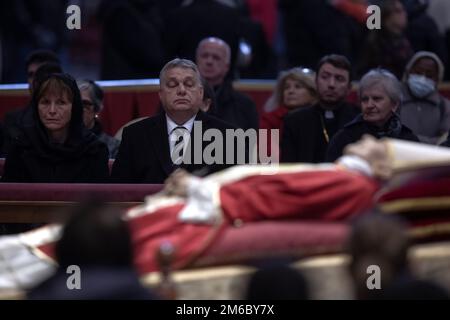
{"x": 295, "y": 88}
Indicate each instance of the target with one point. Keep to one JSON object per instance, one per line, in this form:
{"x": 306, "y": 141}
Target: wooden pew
{"x": 46, "y": 202}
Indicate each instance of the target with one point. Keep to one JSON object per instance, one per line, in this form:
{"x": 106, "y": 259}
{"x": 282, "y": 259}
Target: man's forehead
{"x": 328, "y": 67}
{"x": 180, "y": 73}
{"x": 212, "y": 47}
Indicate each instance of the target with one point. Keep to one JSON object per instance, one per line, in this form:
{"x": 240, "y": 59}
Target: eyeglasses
{"x": 88, "y": 105}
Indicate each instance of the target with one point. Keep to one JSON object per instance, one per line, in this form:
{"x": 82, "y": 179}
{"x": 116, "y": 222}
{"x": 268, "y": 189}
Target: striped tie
{"x": 177, "y": 135}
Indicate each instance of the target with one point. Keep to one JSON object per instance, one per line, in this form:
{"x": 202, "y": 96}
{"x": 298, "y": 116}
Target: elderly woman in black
{"x": 380, "y": 95}
{"x": 57, "y": 147}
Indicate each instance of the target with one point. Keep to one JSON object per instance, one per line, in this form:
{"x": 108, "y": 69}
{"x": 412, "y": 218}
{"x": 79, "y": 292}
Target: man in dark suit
{"x": 153, "y": 148}
{"x": 307, "y": 131}
{"x": 213, "y": 58}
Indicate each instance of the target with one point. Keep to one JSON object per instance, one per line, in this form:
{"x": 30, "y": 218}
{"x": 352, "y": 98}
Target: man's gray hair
{"x": 180, "y": 63}
{"x": 219, "y": 41}
{"x": 386, "y": 79}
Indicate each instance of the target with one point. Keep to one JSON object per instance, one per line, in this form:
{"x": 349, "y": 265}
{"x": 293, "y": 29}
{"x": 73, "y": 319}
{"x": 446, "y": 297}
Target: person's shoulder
{"x": 13, "y": 117}
{"x": 357, "y": 122}
{"x": 243, "y": 97}
{"x": 408, "y": 134}
{"x": 144, "y": 124}
{"x": 302, "y": 113}
{"x": 212, "y": 121}
{"x": 350, "y": 109}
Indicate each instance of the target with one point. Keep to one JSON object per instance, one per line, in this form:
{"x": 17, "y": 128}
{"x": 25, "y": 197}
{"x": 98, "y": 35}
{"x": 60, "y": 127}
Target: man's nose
{"x": 331, "y": 82}
{"x": 181, "y": 89}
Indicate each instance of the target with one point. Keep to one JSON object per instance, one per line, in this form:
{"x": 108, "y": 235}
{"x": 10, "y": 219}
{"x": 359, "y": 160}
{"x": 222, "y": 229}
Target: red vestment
{"x": 315, "y": 193}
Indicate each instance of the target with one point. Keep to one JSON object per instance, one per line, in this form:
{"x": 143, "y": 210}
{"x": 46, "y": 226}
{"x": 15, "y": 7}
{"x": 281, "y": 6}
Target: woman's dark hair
{"x": 61, "y": 83}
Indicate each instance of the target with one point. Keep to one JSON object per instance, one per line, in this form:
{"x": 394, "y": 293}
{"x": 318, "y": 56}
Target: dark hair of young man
{"x": 337, "y": 61}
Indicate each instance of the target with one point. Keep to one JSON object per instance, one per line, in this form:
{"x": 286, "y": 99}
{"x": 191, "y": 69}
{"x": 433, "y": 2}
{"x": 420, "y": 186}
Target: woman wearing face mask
{"x": 380, "y": 95}
{"x": 424, "y": 110}
{"x": 57, "y": 148}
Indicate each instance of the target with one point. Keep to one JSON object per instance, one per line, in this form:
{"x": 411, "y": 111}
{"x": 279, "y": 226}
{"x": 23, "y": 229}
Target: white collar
{"x": 172, "y": 125}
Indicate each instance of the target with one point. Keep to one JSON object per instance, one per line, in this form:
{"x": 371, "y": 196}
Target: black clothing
{"x": 188, "y": 25}
{"x": 383, "y": 49}
{"x": 111, "y": 142}
{"x": 131, "y": 40}
{"x": 34, "y": 158}
{"x": 314, "y": 28}
{"x": 235, "y": 107}
{"x": 354, "y": 131}
{"x": 422, "y": 31}
{"x": 97, "y": 283}
{"x": 307, "y": 132}
{"x": 144, "y": 153}
{"x": 14, "y": 122}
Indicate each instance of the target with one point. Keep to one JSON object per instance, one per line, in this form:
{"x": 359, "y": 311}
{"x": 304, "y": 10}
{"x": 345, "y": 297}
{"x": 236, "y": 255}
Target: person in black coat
{"x": 56, "y": 147}
{"x": 213, "y": 57}
{"x": 307, "y": 131}
{"x": 186, "y": 26}
{"x": 380, "y": 95}
{"x": 97, "y": 241}
{"x": 39, "y": 64}
{"x": 131, "y": 39}
{"x": 150, "y": 149}
{"x": 314, "y": 28}
{"x": 422, "y": 31}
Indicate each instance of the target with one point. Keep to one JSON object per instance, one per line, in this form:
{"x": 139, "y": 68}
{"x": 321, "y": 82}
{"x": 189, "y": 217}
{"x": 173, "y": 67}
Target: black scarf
{"x": 79, "y": 140}
{"x": 392, "y": 128}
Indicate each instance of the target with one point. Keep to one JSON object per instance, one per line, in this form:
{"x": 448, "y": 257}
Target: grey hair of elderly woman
{"x": 95, "y": 93}
{"x": 387, "y": 80}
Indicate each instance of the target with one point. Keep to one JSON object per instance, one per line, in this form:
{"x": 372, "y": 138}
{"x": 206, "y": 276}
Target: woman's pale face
{"x": 377, "y": 107}
{"x": 55, "y": 112}
{"x": 295, "y": 94}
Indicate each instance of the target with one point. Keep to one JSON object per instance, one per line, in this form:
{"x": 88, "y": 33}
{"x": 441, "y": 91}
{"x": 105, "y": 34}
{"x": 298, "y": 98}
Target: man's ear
{"x": 395, "y": 108}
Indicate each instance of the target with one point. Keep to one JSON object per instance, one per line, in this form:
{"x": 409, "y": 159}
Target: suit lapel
{"x": 160, "y": 140}
{"x": 195, "y": 139}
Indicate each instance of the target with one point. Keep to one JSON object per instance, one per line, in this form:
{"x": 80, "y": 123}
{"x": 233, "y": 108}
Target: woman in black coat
{"x": 57, "y": 147}
{"x": 380, "y": 95}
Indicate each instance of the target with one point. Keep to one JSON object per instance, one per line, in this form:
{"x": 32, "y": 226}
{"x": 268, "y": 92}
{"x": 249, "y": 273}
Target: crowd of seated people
{"x": 56, "y": 146}
{"x": 380, "y": 97}
{"x": 58, "y": 138}
{"x": 311, "y": 112}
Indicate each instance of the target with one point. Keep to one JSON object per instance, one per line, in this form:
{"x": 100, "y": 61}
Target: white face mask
{"x": 421, "y": 86}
